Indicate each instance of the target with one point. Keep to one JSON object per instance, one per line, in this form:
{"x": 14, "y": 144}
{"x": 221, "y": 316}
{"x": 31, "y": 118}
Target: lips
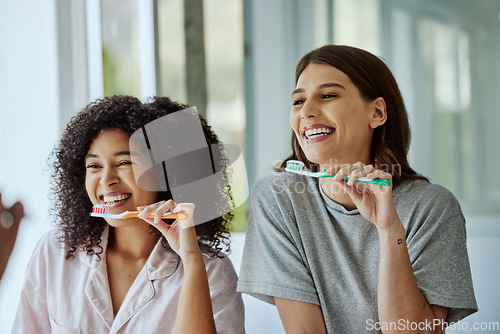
{"x": 317, "y": 132}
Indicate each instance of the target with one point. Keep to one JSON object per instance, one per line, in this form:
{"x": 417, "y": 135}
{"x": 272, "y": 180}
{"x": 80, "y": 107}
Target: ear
{"x": 379, "y": 115}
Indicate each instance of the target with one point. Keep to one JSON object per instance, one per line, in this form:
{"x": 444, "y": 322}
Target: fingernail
{"x": 6, "y": 219}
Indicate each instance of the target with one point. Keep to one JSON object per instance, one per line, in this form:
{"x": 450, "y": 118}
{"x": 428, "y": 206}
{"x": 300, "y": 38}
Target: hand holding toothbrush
{"x": 194, "y": 297}
{"x": 373, "y": 201}
{"x": 181, "y": 234}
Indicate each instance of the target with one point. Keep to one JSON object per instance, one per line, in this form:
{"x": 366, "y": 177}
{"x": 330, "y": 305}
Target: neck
{"x": 325, "y": 165}
{"x": 134, "y": 242}
{"x": 336, "y": 194}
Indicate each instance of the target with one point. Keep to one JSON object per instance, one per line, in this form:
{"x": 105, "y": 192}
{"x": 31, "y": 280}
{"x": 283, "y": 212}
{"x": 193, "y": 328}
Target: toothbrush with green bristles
{"x": 297, "y": 167}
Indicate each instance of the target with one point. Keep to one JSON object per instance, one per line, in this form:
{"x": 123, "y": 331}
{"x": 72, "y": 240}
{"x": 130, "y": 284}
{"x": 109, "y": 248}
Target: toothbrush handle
{"x": 172, "y": 216}
{"x": 165, "y": 216}
{"x": 379, "y": 182}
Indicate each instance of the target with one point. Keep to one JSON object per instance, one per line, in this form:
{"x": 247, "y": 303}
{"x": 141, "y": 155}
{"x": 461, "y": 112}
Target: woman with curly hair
{"x": 125, "y": 275}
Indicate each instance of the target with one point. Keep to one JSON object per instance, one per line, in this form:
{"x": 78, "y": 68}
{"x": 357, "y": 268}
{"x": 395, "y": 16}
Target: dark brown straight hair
{"x": 372, "y": 77}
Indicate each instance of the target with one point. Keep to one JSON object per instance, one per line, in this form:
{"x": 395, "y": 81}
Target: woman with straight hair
{"x": 340, "y": 256}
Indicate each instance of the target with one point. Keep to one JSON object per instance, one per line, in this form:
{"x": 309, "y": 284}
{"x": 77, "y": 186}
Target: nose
{"x": 109, "y": 176}
{"x": 309, "y": 110}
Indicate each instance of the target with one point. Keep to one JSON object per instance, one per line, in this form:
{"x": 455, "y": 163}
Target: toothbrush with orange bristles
{"x": 100, "y": 210}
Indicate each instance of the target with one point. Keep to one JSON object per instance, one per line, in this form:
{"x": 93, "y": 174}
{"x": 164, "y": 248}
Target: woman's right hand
{"x": 181, "y": 235}
{"x": 194, "y": 297}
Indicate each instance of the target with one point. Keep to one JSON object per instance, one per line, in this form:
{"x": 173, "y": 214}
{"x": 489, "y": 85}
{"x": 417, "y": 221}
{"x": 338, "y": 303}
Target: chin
{"x": 115, "y": 222}
{"x": 120, "y": 222}
{"x": 316, "y": 158}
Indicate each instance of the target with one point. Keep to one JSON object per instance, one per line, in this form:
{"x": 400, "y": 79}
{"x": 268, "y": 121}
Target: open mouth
{"x": 114, "y": 199}
{"x": 318, "y": 132}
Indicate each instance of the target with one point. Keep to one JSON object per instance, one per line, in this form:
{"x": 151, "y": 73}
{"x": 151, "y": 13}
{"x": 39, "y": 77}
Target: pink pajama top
{"x": 72, "y": 296}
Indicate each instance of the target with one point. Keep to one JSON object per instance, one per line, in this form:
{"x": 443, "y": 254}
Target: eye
{"x": 329, "y": 96}
{"x": 298, "y": 102}
{"x": 92, "y": 165}
{"x": 124, "y": 163}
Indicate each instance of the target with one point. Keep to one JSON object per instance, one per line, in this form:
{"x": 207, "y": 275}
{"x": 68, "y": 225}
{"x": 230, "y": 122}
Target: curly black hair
{"x": 71, "y": 201}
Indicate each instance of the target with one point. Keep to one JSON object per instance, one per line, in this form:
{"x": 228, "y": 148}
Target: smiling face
{"x": 332, "y": 122}
{"x": 109, "y": 178}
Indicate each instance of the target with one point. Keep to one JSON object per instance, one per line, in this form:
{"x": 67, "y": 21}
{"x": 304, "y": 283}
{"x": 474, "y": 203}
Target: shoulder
{"x": 279, "y": 200}
{"x": 48, "y": 252}
{"x": 220, "y": 271}
{"x": 425, "y": 194}
{"x": 271, "y": 181}
{"x": 49, "y": 244}
{"x": 279, "y": 184}
{"x": 422, "y": 204}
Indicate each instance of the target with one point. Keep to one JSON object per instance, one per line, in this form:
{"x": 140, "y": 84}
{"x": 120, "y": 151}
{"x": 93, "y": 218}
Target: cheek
{"x": 147, "y": 197}
{"x": 153, "y": 196}
{"x": 89, "y": 187}
{"x": 294, "y": 122}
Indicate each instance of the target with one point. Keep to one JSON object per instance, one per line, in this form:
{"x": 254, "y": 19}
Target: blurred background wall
{"x": 235, "y": 60}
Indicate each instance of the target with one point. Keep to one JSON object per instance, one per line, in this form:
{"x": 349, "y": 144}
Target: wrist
{"x": 193, "y": 260}
{"x": 394, "y": 231}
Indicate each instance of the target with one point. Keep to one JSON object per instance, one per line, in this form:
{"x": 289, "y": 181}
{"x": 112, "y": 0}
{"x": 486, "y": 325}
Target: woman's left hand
{"x": 373, "y": 201}
{"x": 181, "y": 235}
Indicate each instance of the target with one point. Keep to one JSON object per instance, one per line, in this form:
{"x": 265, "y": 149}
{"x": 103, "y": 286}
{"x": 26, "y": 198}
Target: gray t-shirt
{"x": 303, "y": 246}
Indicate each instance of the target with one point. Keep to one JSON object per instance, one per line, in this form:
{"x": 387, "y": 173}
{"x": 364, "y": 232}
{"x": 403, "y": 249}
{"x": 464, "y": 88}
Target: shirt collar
{"x": 161, "y": 263}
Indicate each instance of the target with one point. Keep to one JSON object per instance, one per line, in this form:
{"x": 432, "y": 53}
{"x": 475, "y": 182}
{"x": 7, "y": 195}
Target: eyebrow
{"x": 117, "y": 154}
{"x": 325, "y": 85}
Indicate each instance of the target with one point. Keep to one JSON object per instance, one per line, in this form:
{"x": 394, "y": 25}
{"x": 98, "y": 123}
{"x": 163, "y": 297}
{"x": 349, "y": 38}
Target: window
{"x": 120, "y": 47}
{"x": 440, "y": 56}
{"x": 128, "y": 25}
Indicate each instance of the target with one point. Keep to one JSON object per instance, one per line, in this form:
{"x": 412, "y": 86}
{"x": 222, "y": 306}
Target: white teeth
{"x": 116, "y": 198}
{"x": 317, "y": 132}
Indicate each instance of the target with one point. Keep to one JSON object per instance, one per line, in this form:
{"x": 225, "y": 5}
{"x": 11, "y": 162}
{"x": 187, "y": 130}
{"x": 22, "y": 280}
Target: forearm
{"x": 399, "y": 298}
{"x": 194, "y": 312}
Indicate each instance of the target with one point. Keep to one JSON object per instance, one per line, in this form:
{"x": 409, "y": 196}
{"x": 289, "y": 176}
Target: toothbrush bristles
{"x": 100, "y": 208}
{"x": 295, "y": 165}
